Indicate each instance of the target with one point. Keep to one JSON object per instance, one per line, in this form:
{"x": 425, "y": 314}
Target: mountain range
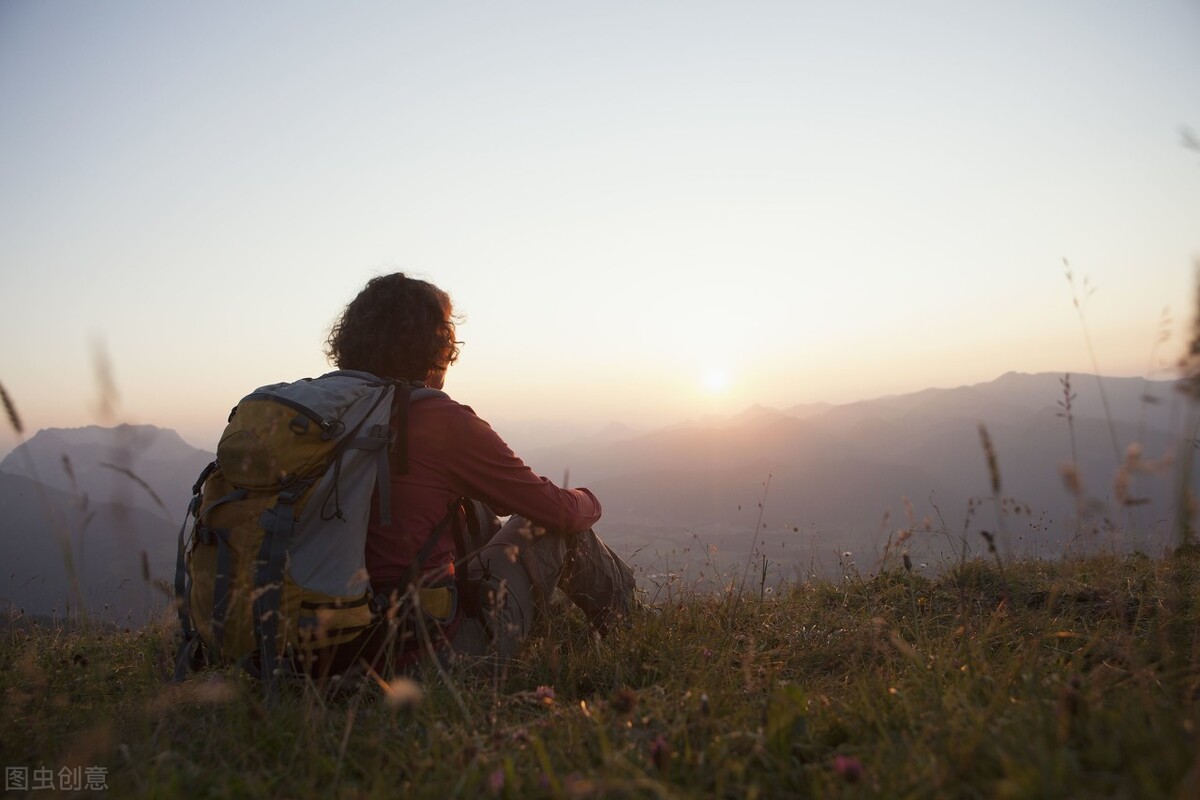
{"x": 838, "y": 478}
{"x": 113, "y": 494}
{"x": 790, "y": 491}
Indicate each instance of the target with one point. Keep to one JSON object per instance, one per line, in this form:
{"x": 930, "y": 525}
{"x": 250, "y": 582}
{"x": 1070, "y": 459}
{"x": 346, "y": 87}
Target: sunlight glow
{"x": 715, "y": 380}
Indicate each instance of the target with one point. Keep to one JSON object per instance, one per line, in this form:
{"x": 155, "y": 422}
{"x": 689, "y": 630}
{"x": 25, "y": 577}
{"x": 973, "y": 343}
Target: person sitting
{"x": 403, "y": 329}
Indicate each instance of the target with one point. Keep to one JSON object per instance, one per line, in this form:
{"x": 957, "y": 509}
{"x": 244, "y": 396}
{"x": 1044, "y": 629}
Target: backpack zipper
{"x": 324, "y": 424}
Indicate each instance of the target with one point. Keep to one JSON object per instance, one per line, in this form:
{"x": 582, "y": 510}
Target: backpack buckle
{"x": 380, "y": 604}
{"x": 293, "y": 493}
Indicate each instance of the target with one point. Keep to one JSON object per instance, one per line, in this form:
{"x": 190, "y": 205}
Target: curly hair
{"x": 397, "y": 327}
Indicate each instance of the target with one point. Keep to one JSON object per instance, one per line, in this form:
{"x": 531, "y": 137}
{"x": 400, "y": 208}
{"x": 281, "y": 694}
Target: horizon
{"x": 837, "y": 475}
{"x": 534, "y": 434}
{"x": 644, "y": 214}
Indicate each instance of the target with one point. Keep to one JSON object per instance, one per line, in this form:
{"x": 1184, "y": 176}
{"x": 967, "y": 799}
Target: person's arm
{"x": 488, "y": 470}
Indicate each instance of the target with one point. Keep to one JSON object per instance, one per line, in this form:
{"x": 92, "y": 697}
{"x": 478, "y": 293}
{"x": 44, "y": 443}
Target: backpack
{"x": 272, "y": 576}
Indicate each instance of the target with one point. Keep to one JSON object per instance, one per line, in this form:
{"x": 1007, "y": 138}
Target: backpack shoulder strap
{"x": 405, "y": 395}
{"x": 449, "y": 520}
{"x": 476, "y": 514}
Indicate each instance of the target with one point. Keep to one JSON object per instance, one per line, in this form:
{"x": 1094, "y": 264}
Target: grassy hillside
{"x": 1038, "y": 679}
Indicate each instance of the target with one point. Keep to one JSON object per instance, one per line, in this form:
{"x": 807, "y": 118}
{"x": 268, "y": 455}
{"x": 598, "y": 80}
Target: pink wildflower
{"x": 848, "y": 767}
{"x": 496, "y": 782}
{"x": 660, "y": 751}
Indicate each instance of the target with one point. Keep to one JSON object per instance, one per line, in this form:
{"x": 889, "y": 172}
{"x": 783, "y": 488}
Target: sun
{"x": 715, "y": 380}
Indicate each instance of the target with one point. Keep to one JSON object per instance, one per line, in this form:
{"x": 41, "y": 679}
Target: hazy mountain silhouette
{"x": 83, "y": 487}
{"x": 835, "y": 471}
{"x": 688, "y": 496}
{"x": 97, "y": 457}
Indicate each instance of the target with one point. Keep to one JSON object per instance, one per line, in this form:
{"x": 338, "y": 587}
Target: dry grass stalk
{"x": 10, "y": 409}
{"x": 133, "y": 476}
{"x": 1189, "y": 385}
{"x": 992, "y": 464}
{"x": 1079, "y": 300}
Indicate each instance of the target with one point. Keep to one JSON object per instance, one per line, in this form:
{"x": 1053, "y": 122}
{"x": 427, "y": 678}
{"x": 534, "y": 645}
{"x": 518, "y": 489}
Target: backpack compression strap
{"x": 279, "y": 522}
{"x": 191, "y": 639}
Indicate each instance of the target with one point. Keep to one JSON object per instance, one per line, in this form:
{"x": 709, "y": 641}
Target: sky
{"x": 645, "y": 212}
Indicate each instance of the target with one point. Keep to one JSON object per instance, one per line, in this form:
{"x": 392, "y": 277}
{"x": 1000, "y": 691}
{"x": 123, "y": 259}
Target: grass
{"x": 1069, "y": 678}
{"x": 1078, "y": 677}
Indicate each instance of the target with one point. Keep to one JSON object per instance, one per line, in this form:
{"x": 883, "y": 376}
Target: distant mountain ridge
{"x": 90, "y": 461}
{"x": 85, "y": 483}
{"x": 837, "y": 471}
{"x": 830, "y": 478}
{"x": 1013, "y": 397}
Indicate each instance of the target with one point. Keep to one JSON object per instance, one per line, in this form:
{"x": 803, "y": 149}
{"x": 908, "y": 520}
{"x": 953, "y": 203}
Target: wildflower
{"x": 496, "y": 782}
{"x": 545, "y": 695}
{"x": 660, "y": 752}
{"x": 848, "y": 767}
{"x": 402, "y": 693}
{"x": 707, "y": 653}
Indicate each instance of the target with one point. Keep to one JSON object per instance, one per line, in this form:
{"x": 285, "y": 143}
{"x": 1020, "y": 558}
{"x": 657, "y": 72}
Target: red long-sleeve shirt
{"x": 452, "y": 453}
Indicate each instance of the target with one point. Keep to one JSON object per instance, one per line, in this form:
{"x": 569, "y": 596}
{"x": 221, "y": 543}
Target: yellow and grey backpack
{"x": 272, "y": 574}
